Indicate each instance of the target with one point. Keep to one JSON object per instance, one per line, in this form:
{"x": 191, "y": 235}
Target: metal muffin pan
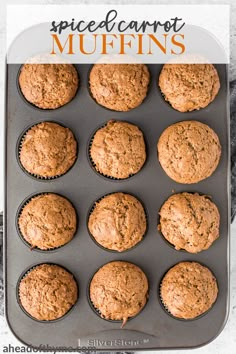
{"x": 153, "y": 328}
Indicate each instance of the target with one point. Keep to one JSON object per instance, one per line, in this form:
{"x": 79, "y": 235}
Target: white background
{"x": 226, "y": 342}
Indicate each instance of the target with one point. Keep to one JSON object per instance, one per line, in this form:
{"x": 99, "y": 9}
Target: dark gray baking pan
{"x": 153, "y": 328}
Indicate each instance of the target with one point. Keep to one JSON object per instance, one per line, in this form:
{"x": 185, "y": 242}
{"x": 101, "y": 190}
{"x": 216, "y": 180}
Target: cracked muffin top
{"x": 118, "y": 222}
{"x": 47, "y": 221}
{"x": 189, "y": 151}
{"x": 189, "y": 86}
{"x": 48, "y": 292}
{"x": 118, "y": 150}
{"x": 48, "y": 86}
{"x": 189, "y": 221}
{"x": 119, "y": 290}
{"x": 120, "y": 87}
{"x": 48, "y": 150}
{"x": 188, "y": 290}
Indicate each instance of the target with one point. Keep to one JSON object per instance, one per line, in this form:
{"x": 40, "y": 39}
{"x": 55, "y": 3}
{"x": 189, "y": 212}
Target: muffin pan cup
{"x": 24, "y": 274}
{"x": 109, "y": 109}
{"x": 19, "y": 146}
{"x": 98, "y": 313}
{"x": 165, "y": 308}
{"x": 153, "y": 328}
{"x": 23, "y": 204}
{"x": 33, "y": 105}
{"x": 165, "y": 239}
{"x": 103, "y": 247}
{"x": 93, "y": 164}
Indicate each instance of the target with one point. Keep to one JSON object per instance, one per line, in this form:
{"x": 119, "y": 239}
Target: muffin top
{"x": 48, "y": 86}
{"x": 188, "y": 290}
{"x": 118, "y": 222}
{"x": 189, "y": 86}
{"x": 48, "y": 292}
{"x": 48, "y": 150}
{"x": 190, "y": 221}
{"x": 189, "y": 151}
{"x": 119, "y": 290}
{"x": 47, "y": 221}
{"x": 118, "y": 150}
{"x": 119, "y": 87}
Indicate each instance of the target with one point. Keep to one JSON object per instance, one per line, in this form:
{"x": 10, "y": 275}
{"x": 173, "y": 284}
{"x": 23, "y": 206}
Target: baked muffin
{"x": 189, "y": 151}
{"x": 118, "y": 150}
{"x": 47, "y": 221}
{"x": 118, "y": 222}
{"x": 48, "y": 292}
{"x": 190, "y": 221}
{"x": 48, "y": 86}
{"x": 119, "y": 290}
{"x": 120, "y": 87}
{"x": 189, "y": 86}
{"x": 48, "y": 150}
{"x": 188, "y": 290}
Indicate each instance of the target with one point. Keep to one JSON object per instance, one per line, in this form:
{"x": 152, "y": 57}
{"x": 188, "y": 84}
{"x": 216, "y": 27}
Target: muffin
{"x": 189, "y": 222}
{"x": 119, "y": 290}
{"x": 189, "y": 86}
{"x": 48, "y": 86}
{"x": 189, "y": 151}
{"x": 118, "y": 150}
{"x": 47, "y": 221}
{"x": 120, "y": 87}
{"x": 47, "y": 292}
{"x": 48, "y": 150}
{"x": 188, "y": 290}
{"x": 118, "y": 222}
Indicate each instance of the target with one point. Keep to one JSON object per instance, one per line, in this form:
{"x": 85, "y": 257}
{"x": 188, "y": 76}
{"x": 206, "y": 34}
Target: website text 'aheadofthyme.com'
{"x": 45, "y": 348}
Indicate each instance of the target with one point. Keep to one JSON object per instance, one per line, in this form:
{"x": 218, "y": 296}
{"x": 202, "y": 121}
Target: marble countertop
{"x": 226, "y": 341}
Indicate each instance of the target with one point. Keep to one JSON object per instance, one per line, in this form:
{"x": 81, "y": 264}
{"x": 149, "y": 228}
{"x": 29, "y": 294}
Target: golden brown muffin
{"x": 48, "y": 86}
{"x": 190, "y": 221}
{"x": 188, "y": 290}
{"x": 48, "y": 150}
{"x": 118, "y": 222}
{"x": 47, "y": 221}
{"x": 48, "y": 292}
{"x": 189, "y": 86}
{"x": 189, "y": 151}
{"x": 118, "y": 150}
{"x": 119, "y": 290}
{"x": 120, "y": 87}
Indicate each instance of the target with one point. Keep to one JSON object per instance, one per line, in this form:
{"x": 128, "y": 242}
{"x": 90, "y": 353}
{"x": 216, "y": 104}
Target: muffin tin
{"x": 153, "y": 328}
